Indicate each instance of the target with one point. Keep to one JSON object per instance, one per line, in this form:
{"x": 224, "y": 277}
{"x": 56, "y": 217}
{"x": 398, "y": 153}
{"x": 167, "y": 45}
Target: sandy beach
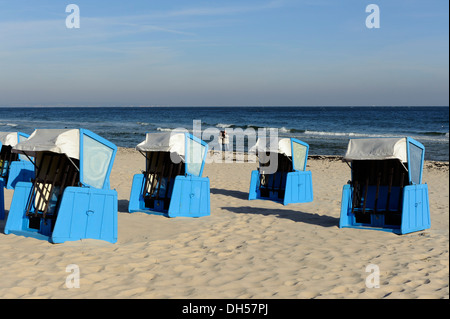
{"x": 244, "y": 249}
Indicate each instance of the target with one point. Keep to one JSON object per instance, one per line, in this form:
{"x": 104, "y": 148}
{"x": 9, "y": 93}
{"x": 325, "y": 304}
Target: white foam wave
{"x": 222, "y": 125}
{"x": 164, "y": 129}
{"x": 356, "y": 135}
{"x": 335, "y": 133}
{"x": 9, "y": 124}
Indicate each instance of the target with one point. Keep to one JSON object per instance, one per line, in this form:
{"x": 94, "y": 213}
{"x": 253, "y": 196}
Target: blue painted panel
{"x": 299, "y": 188}
{"x": 86, "y": 213}
{"x": 196, "y": 152}
{"x": 416, "y": 210}
{"x": 17, "y": 220}
{"x": 299, "y": 164}
{"x": 190, "y": 197}
{"x": 416, "y": 154}
{"x": 20, "y": 171}
{"x": 136, "y": 202}
{"x": 110, "y": 158}
{"x": 346, "y": 207}
{"x": 2, "y": 198}
{"x": 254, "y": 186}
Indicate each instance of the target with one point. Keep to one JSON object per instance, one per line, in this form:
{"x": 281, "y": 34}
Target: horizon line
{"x": 231, "y": 106}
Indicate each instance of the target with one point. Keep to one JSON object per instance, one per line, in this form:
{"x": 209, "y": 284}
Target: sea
{"x": 327, "y": 130}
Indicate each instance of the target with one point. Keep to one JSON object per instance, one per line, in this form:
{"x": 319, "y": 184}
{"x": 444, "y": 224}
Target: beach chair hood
{"x": 291, "y": 147}
{"x": 12, "y": 138}
{"x": 163, "y": 142}
{"x": 8, "y": 138}
{"x": 95, "y": 154}
{"x": 283, "y": 146}
{"x": 406, "y": 150}
{"x": 376, "y": 149}
{"x": 190, "y": 149}
{"x": 61, "y": 141}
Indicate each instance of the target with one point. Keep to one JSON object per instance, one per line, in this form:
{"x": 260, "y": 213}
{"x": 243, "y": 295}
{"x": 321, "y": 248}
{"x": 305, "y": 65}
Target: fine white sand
{"x": 245, "y": 249}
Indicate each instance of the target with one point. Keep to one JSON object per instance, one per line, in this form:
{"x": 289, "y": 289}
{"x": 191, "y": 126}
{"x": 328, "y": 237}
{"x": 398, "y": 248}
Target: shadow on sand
{"x": 294, "y": 215}
{"x": 227, "y": 192}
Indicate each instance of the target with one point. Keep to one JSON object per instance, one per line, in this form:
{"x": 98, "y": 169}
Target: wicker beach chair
{"x": 385, "y": 191}
{"x": 70, "y": 197}
{"x": 171, "y": 184}
{"x": 13, "y": 167}
{"x": 282, "y": 175}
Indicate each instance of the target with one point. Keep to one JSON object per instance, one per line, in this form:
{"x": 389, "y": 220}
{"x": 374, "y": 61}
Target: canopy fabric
{"x": 61, "y": 141}
{"x": 376, "y": 149}
{"x": 283, "y": 147}
{"x": 164, "y": 142}
{"x": 9, "y": 138}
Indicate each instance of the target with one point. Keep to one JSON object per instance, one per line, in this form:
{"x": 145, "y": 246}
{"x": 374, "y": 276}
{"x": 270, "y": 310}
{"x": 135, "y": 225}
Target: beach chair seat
{"x": 282, "y": 175}
{"x": 6, "y": 157}
{"x": 171, "y": 184}
{"x": 55, "y": 173}
{"x": 159, "y": 180}
{"x": 386, "y": 190}
{"x": 69, "y": 198}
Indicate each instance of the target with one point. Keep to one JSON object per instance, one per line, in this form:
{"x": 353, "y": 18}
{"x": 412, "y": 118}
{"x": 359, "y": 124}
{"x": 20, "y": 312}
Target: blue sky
{"x": 224, "y": 53}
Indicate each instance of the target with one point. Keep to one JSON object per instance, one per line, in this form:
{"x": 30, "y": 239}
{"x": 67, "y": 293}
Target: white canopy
{"x": 283, "y": 147}
{"x": 62, "y": 141}
{"x": 8, "y": 138}
{"x": 376, "y": 149}
{"x": 163, "y": 142}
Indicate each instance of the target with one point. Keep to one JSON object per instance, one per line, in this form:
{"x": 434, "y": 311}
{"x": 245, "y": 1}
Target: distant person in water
{"x": 224, "y": 140}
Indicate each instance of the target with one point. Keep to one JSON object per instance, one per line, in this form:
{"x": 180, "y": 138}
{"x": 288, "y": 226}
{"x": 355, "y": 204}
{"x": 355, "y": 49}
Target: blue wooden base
{"x": 189, "y": 197}
{"x": 414, "y": 211}
{"x": 297, "y": 187}
{"x": 84, "y": 213}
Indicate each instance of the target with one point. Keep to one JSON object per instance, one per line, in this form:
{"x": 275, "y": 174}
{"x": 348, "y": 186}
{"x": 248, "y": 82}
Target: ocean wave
{"x": 167, "y": 129}
{"x": 143, "y": 123}
{"x": 164, "y": 129}
{"x": 435, "y": 134}
{"x": 221, "y": 125}
{"x": 430, "y": 136}
{"x": 238, "y": 130}
{"x": 321, "y": 133}
{"x": 290, "y": 130}
{"x": 9, "y": 124}
{"x": 256, "y": 127}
